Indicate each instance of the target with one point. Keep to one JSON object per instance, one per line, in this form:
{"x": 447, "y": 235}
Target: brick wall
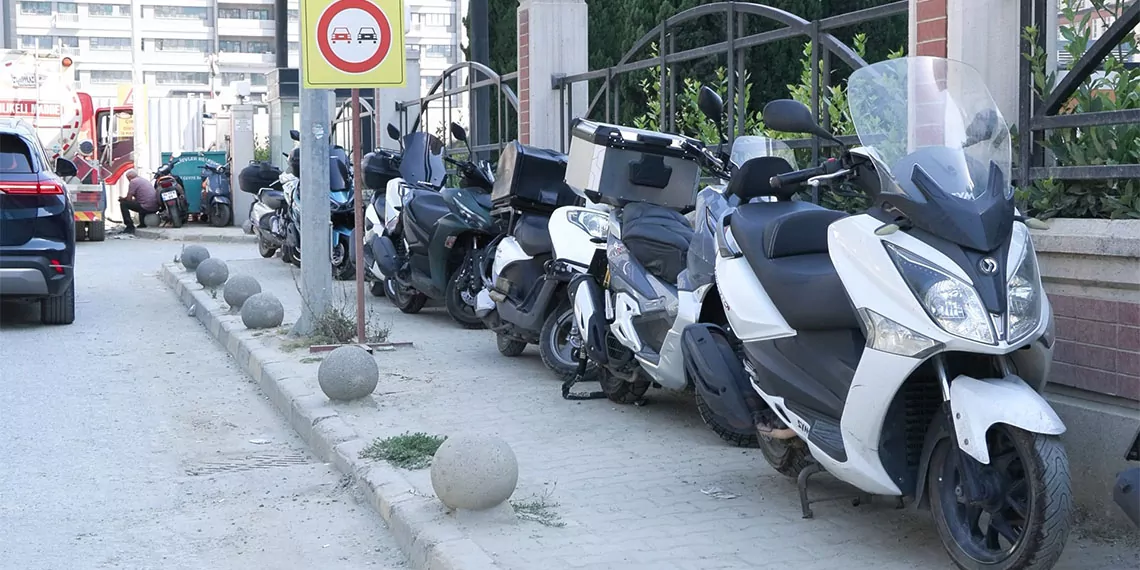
{"x": 930, "y": 17}
{"x": 524, "y": 76}
{"x": 1098, "y": 345}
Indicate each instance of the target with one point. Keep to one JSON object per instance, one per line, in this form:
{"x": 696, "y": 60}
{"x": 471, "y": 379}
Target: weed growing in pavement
{"x": 311, "y": 360}
{"x": 538, "y": 509}
{"x": 408, "y": 451}
{"x": 337, "y": 325}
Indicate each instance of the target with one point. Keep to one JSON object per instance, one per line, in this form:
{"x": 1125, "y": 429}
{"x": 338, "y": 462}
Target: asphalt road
{"x": 130, "y": 440}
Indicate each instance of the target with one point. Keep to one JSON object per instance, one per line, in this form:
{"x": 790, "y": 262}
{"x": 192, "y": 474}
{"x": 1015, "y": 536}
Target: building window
{"x": 258, "y": 79}
{"x": 436, "y": 21}
{"x": 106, "y": 76}
{"x": 259, "y": 47}
{"x": 443, "y": 51}
{"x": 294, "y": 47}
{"x": 294, "y": 15}
{"x": 109, "y": 10}
{"x": 229, "y": 46}
{"x": 228, "y": 78}
{"x": 66, "y": 42}
{"x": 180, "y": 13}
{"x": 182, "y": 45}
{"x": 122, "y": 44}
{"x": 36, "y": 42}
{"x": 229, "y": 13}
{"x": 181, "y": 78}
{"x": 67, "y": 7}
{"x": 257, "y": 14}
{"x": 35, "y": 8}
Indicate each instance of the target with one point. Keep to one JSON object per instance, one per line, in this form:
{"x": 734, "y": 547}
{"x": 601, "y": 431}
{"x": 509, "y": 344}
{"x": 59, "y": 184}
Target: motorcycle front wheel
{"x": 460, "y": 308}
{"x": 267, "y": 251}
{"x": 220, "y": 215}
{"x": 1024, "y": 521}
{"x": 343, "y": 268}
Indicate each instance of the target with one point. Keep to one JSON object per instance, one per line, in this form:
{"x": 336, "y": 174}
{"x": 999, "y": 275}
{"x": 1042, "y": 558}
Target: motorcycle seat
{"x": 785, "y": 243}
{"x": 658, "y": 238}
{"x": 532, "y": 234}
{"x": 427, "y": 207}
{"x": 275, "y": 199}
{"x": 481, "y": 197}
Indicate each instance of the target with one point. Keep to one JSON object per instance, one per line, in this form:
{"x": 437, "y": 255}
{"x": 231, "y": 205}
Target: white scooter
{"x": 904, "y": 350}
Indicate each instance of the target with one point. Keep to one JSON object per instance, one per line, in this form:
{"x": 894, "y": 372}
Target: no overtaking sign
{"x": 352, "y": 44}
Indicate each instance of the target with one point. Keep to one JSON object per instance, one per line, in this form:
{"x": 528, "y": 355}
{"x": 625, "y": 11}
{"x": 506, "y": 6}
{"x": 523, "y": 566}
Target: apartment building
{"x": 198, "y": 47}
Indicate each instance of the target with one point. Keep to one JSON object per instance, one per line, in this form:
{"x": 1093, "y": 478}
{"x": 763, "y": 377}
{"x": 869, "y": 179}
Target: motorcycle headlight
{"x": 888, "y": 336}
{"x": 596, "y": 224}
{"x": 470, "y": 216}
{"x": 1023, "y": 286}
{"x": 951, "y": 303}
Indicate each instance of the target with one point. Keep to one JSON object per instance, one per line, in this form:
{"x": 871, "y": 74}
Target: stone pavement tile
{"x": 630, "y": 477}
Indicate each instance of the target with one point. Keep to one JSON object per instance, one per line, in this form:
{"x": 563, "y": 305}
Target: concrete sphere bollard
{"x": 474, "y": 472}
{"x": 348, "y": 373}
{"x": 212, "y": 272}
{"x": 239, "y": 288}
{"x": 150, "y": 220}
{"x": 262, "y": 311}
{"x": 192, "y": 255}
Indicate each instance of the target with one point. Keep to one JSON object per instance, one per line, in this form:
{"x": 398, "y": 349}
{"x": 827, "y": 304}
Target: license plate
{"x": 170, "y": 195}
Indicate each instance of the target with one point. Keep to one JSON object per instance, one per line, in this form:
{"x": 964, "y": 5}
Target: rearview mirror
{"x": 295, "y": 135}
{"x": 458, "y": 133}
{"x": 710, "y": 104}
{"x": 65, "y": 168}
{"x": 393, "y": 132}
{"x": 86, "y": 147}
{"x": 791, "y": 116}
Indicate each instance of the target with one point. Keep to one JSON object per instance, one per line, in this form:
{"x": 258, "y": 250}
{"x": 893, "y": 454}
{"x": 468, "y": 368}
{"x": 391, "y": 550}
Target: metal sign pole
{"x": 358, "y": 210}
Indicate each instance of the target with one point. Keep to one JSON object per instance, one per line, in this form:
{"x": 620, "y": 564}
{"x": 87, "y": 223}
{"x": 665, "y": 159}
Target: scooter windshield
{"x": 942, "y": 144}
{"x": 422, "y": 161}
{"x": 749, "y": 147}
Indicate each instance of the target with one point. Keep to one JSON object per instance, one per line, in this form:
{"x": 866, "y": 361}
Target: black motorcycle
{"x": 217, "y": 202}
{"x": 173, "y": 207}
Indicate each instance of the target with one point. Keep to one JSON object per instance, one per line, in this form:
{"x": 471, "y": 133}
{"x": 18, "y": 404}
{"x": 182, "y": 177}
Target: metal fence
{"x": 824, "y": 45}
{"x": 1038, "y": 114}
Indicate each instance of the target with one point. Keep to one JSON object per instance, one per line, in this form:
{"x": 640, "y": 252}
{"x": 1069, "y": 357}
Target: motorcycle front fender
{"x": 339, "y": 233}
{"x": 222, "y": 199}
{"x": 586, "y": 299}
{"x": 977, "y": 405}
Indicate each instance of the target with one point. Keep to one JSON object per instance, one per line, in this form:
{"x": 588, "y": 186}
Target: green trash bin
{"x": 188, "y": 165}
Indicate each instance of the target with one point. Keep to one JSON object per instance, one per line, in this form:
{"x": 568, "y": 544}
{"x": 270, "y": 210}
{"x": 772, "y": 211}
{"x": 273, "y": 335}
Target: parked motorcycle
{"x": 342, "y": 216}
{"x": 268, "y": 212}
{"x": 381, "y": 167}
{"x": 523, "y": 297}
{"x": 173, "y": 207}
{"x": 217, "y": 202}
{"x": 442, "y": 233}
{"x": 903, "y": 350}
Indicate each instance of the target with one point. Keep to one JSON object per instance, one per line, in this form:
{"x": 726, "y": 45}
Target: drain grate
{"x": 248, "y": 462}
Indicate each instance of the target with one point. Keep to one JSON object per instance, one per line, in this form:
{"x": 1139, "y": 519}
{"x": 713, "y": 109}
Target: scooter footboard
{"x": 718, "y": 375}
{"x": 979, "y": 404}
{"x": 589, "y": 312}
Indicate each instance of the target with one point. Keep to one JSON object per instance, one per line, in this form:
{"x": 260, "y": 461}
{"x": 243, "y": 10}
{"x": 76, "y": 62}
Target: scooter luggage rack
{"x": 814, "y": 468}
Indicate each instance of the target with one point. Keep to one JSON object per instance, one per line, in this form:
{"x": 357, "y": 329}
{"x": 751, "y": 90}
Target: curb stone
{"x": 419, "y": 524}
{"x": 147, "y": 233}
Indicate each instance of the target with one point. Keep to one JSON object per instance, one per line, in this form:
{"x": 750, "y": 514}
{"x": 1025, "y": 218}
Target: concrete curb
{"x": 148, "y": 233}
{"x": 420, "y": 524}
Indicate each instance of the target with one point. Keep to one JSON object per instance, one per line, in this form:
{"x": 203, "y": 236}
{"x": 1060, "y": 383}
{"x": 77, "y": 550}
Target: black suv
{"x": 37, "y": 225}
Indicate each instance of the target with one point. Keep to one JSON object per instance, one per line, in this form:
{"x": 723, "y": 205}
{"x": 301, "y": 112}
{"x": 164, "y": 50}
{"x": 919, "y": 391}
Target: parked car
{"x": 37, "y": 231}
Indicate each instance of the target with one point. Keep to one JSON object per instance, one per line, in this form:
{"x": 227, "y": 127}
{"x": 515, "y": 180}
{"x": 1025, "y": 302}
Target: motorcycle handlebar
{"x": 829, "y": 166}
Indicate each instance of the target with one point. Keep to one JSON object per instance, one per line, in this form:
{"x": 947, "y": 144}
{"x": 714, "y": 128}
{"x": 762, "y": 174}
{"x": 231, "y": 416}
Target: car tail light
{"x": 57, "y": 266}
{"x": 31, "y": 188}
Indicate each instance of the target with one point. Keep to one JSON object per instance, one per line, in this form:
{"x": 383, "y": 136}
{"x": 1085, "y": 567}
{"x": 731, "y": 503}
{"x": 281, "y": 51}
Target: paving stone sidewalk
{"x": 633, "y": 487}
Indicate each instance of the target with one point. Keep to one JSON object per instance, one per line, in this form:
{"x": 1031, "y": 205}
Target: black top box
{"x": 256, "y": 176}
{"x": 532, "y": 179}
{"x": 617, "y": 165}
{"x": 380, "y": 166}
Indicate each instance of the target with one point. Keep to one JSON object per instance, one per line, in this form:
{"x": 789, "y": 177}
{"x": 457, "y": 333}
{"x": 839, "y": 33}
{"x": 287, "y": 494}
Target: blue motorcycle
{"x": 341, "y": 208}
{"x": 217, "y": 204}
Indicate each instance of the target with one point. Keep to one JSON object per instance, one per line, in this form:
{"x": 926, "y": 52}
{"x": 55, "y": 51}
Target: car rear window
{"x": 15, "y": 156}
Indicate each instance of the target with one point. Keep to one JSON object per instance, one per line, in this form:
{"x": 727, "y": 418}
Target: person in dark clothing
{"x": 141, "y": 197}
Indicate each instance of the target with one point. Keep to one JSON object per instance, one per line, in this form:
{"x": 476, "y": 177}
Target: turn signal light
{"x": 57, "y": 266}
{"x": 31, "y": 188}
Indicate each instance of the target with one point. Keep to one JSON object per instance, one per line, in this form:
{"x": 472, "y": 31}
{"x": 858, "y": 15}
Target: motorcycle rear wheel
{"x": 619, "y": 391}
{"x": 406, "y": 299}
{"x": 175, "y": 216}
{"x": 1025, "y": 527}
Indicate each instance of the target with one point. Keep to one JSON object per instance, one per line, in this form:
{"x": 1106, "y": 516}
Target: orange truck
{"x": 40, "y": 91}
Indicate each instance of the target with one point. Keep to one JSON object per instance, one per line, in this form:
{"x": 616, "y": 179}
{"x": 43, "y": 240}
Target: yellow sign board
{"x": 352, "y": 44}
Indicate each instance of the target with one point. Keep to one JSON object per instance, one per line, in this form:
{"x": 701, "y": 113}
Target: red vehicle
{"x": 341, "y": 34}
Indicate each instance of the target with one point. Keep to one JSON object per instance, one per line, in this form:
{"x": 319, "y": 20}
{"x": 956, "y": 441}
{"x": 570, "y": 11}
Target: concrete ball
{"x": 474, "y": 472}
{"x": 239, "y": 288}
{"x": 212, "y": 272}
{"x": 192, "y": 255}
{"x": 262, "y": 311}
{"x": 151, "y": 220}
{"x": 348, "y": 373}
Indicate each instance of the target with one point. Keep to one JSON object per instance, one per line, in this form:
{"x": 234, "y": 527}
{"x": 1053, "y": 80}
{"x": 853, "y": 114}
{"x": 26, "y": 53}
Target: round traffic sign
{"x": 354, "y": 36}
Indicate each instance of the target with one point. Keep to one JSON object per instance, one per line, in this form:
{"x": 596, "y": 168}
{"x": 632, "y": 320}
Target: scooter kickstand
{"x": 802, "y": 483}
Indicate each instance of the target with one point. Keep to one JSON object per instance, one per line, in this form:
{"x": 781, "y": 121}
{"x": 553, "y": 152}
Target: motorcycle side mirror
{"x": 712, "y": 107}
{"x": 393, "y": 132}
{"x": 295, "y": 135}
{"x": 791, "y": 116}
{"x": 458, "y": 133}
{"x": 65, "y": 168}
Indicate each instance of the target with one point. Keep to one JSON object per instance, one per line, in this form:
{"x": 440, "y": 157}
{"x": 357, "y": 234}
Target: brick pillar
{"x": 928, "y": 27}
{"x": 553, "y": 37}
